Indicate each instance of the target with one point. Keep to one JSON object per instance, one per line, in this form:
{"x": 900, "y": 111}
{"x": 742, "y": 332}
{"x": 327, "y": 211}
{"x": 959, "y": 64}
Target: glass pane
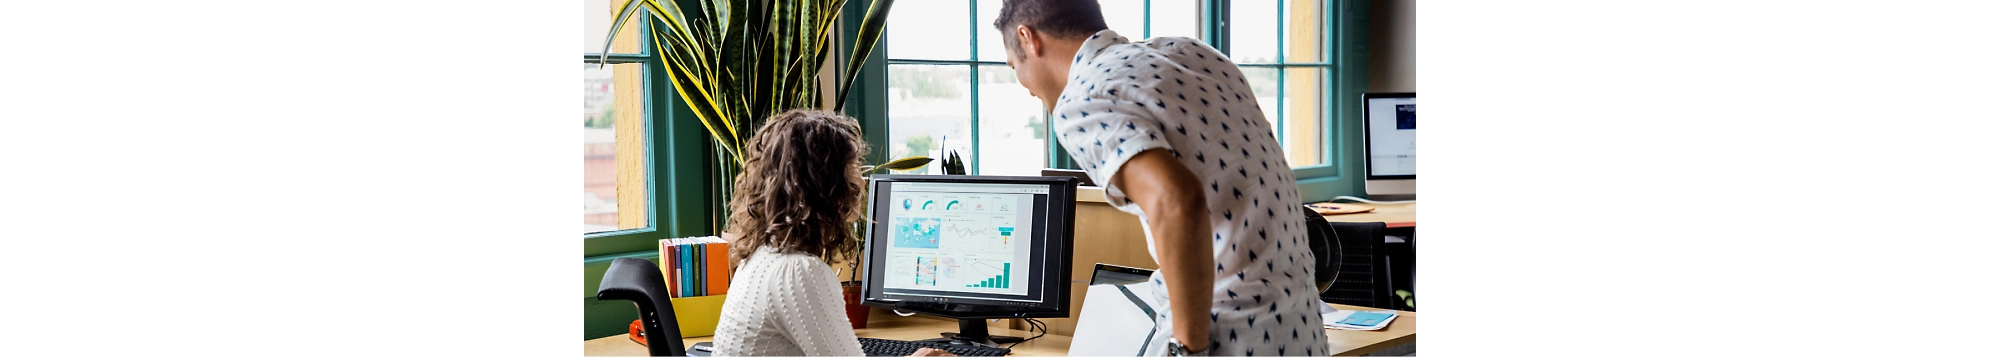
{"x": 1305, "y": 31}
{"x": 930, "y": 111}
{"x": 1013, "y": 134}
{"x": 936, "y": 30}
{"x": 1264, "y": 83}
{"x": 991, "y": 48}
{"x": 597, "y": 20}
{"x": 1306, "y": 116}
{"x": 613, "y": 185}
{"x": 1128, "y": 17}
{"x": 1177, "y": 18}
{"x": 1253, "y": 31}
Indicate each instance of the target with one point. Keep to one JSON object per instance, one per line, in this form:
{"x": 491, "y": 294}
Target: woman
{"x": 800, "y": 187}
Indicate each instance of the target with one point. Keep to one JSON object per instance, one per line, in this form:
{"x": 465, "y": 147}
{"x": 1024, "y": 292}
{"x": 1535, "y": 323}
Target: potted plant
{"x": 850, "y": 290}
{"x": 737, "y": 62}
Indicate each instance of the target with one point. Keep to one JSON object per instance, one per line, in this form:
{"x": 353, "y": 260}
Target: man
{"x": 1171, "y": 130}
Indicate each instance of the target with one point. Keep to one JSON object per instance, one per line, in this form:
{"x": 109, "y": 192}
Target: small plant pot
{"x": 857, "y": 315}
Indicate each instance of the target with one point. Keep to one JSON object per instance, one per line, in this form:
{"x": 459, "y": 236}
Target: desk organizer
{"x": 698, "y": 315}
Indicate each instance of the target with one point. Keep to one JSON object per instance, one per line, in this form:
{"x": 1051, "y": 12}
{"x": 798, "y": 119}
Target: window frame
{"x": 1345, "y": 70}
{"x": 676, "y": 185}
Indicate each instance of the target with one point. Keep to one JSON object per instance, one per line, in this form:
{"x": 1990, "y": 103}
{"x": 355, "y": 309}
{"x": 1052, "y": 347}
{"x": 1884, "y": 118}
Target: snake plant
{"x": 737, "y": 62}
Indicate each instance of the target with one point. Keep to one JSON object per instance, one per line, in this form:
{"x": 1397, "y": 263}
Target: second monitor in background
{"x": 1391, "y": 145}
{"x": 970, "y": 248}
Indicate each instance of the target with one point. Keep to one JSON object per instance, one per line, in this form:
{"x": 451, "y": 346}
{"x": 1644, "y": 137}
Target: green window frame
{"x": 1346, "y": 48}
{"x": 677, "y": 186}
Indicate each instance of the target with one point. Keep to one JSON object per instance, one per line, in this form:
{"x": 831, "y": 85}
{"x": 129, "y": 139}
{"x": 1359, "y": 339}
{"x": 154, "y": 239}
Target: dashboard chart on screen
{"x": 959, "y": 241}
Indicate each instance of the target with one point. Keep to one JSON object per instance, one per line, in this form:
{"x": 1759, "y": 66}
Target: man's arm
{"x": 1177, "y": 213}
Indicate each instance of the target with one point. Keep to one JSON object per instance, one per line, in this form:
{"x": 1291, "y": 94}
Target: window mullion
{"x": 1282, "y": 139}
{"x": 1146, "y": 20}
{"x": 972, "y": 23}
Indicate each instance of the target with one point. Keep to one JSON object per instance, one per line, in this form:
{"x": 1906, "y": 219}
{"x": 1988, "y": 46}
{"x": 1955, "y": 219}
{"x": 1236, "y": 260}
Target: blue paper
{"x": 1365, "y": 318}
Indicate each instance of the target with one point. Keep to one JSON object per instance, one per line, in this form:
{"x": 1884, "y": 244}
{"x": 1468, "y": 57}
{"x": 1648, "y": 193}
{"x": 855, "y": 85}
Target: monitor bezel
{"x": 1368, "y": 141}
{"x": 1061, "y": 218}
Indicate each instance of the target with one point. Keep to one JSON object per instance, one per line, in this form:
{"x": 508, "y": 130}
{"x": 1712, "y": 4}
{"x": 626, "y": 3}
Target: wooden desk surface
{"x": 1395, "y": 215}
{"x": 884, "y": 325}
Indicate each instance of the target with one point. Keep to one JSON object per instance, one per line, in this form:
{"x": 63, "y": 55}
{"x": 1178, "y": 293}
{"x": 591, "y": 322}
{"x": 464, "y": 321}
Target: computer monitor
{"x": 970, "y": 248}
{"x": 1391, "y": 136}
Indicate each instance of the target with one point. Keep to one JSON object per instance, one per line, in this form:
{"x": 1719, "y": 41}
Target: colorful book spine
{"x": 695, "y": 266}
{"x": 687, "y": 275}
{"x": 700, "y": 268}
{"x": 718, "y": 266}
{"x": 669, "y": 260}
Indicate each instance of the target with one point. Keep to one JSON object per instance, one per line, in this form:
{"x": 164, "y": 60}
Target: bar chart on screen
{"x": 1003, "y": 280}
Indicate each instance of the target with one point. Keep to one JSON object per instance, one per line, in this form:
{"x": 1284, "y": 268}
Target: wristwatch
{"x": 1175, "y": 348}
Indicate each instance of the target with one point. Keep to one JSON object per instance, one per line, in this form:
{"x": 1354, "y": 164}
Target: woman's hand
{"x": 926, "y": 351}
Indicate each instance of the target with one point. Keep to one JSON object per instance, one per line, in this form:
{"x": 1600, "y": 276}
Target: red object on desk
{"x": 636, "y": 332}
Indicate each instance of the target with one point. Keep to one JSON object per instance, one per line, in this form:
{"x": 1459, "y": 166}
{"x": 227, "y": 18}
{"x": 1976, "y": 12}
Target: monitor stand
{"x": 973, "y": 332}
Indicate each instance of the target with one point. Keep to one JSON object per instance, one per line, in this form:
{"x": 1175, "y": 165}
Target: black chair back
{"x": 639, "y": 280}
{"x": 1325, "y": 249}
{"x": 1361, "y": 278}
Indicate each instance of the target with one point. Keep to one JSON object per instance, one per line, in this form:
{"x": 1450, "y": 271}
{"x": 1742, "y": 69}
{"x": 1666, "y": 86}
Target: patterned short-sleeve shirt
{"x": 1179, "y": 95}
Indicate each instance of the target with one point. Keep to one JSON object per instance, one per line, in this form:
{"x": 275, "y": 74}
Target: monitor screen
{"x": 986, "y": 246}
{"x": 1392, "y": 135}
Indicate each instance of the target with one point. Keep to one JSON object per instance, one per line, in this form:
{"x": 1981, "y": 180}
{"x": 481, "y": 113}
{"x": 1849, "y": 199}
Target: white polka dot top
{"x": 1180, "y": 95}
{"x": 784, "y": 305}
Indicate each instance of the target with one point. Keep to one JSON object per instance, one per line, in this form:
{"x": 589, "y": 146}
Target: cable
{"x": 1364, "y": 200}
{"x": 1033, "y": 325}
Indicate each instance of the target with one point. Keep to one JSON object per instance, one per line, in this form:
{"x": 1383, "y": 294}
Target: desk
{"x": 885, "y": 325}
{"x": 1107, "y": 235}
{"x": 1395, "y": 215}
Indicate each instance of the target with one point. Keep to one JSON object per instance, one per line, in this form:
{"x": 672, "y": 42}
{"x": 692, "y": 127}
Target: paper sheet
{"x": 1333, "y": 319}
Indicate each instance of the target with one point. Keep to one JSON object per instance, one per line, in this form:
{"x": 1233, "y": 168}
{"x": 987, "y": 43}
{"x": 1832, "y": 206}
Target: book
{"x": 672, "y": 264}
{"x": 718, "y": 266}
{"x": 667, "y": 265}
{"x": 687, "y": 275}
{"x": 695, "y": 266}
{"x": 700, "y": 264}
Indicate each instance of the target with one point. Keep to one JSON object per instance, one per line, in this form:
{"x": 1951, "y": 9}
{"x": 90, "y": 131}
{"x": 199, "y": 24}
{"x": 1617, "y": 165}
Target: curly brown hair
{"x": 800, "y": 187}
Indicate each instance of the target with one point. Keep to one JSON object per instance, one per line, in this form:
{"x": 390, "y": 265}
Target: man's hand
{"x": 1177, "y": 214}
{"x": 927, "y": 351}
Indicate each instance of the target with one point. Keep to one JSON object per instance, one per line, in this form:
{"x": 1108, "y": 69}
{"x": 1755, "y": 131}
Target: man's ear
{"x": 1031, "y": 46}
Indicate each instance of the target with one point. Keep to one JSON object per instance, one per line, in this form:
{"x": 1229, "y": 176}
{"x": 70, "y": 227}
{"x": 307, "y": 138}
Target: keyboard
{"x": 881, "y": 347}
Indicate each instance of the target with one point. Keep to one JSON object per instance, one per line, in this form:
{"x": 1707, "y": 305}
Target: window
{"x": 1282, "y": 46}
{"x": 614, "y": 112}
{"x": 949, "y": 87}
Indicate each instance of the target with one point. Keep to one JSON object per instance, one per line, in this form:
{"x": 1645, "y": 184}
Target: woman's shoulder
{"x": 768, "y": 258}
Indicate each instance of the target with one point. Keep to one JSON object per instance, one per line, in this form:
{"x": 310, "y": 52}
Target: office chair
{"x": 1325, "y": 249}
{"x": 639, "y": 280}
{"x": 1352, "y": 273}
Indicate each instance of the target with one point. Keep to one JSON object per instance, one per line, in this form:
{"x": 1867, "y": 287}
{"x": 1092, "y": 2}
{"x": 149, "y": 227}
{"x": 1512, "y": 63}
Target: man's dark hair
{"x": 1064, "y": 19}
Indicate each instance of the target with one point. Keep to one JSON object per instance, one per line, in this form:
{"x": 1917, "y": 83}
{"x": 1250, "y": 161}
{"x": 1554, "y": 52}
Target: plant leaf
{"x": 617, "y": 22}
{"x": 903, "y": 164}
{"x": 864, "y": 42}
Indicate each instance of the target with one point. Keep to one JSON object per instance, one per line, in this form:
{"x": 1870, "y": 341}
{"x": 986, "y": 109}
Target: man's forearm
{"x": 1181, "y": 236}
{"x": 1177, "y": 214}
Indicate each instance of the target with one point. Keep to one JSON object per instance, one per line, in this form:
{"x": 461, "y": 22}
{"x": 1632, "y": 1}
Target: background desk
{"x": 1107, "y": 235}
{"x": 1394, "y": 215}
{"x": 886, "y": 325}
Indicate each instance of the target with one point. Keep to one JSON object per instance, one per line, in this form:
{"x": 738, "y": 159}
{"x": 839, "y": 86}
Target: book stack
{"x": 695, "y": 266}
